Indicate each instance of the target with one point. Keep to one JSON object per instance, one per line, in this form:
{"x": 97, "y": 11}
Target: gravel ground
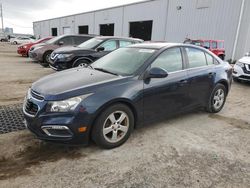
{"x": 192, "y": 150}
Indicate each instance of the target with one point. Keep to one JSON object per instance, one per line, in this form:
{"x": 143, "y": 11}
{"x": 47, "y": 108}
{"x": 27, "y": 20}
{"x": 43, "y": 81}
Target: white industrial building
{"x": 163, "y": 20}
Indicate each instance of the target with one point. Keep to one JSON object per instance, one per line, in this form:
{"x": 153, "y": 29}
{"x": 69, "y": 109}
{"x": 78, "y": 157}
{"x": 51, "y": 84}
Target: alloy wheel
{"x": 218, "y": 99}
{"x": 116, "y": 126}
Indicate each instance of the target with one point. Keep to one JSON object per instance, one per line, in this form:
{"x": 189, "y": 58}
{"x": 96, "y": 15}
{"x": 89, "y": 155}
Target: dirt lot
{"x": 192, "y": 150}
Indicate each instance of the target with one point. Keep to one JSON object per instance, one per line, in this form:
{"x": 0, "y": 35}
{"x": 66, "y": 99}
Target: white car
{"x": 242, "y": 69}
{"x": 21, "y": 40}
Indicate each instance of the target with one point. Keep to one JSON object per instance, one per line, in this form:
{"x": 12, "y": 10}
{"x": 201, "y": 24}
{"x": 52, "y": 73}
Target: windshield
{"x": 90, "y": 43}
{"x": 51, "y": 41}
{"x": 124, "y": 61}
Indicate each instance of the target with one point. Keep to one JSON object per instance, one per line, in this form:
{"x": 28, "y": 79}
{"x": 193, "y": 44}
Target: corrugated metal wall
{"x": 218, "y": 21}
{"x": 173, "y": 21}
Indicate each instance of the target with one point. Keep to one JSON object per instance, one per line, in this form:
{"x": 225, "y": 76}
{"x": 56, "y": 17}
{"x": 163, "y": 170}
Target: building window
{"x": 54, "y": 32}
{"x": 141, "y": 30}
{"x": 200, "y": 4}
{"x": 83, "y": 29}
{"x": 107, "y": 29}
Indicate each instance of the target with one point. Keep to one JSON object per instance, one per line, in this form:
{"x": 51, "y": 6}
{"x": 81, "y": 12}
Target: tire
{"x": 81, "y": 63}
{"x": 46, "y": 57}
{"x": 110, "y": 138}
{"x": 2, "y": 40}
{"x": 217, "y": 99}
{"x": 15, "y": 42}
{"x": 222, "y": 57}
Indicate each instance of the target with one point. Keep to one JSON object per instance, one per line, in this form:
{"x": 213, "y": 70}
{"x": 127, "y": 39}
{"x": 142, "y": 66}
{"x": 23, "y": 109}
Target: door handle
{"x": 211, "y": 74}
{"x": 182, "y": 82}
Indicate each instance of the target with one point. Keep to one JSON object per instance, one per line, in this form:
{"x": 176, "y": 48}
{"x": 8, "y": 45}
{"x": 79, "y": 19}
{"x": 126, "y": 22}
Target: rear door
{"x": 200, "y": 75}
{"x": 165, "y": 96}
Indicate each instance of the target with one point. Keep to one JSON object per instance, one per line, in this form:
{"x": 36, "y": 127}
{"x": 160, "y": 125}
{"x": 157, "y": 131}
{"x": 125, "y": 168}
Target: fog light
{"x": 82, "y": 129}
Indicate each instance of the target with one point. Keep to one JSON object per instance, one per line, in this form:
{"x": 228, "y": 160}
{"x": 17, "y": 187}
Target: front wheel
{"x": 217, "y": 99}
{"x": 46, "y": 58}
{"x": 113, "y": 127}
{"x": 81, "y": 63}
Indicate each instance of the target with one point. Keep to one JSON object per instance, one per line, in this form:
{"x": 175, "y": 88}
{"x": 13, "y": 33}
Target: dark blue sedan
{"x": 123, "y": 90}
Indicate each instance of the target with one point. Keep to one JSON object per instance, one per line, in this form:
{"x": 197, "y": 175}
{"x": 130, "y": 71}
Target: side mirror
{"x": 99, "y": 49}
{"x": 60, "y": 43}
{"x": 156, "y": 72}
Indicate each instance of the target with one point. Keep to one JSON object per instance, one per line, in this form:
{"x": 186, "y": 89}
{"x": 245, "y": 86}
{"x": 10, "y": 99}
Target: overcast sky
{"x": 19, "y": 14}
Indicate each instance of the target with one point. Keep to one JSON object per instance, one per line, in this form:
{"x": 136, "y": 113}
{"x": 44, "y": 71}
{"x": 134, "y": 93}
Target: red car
{"x": 215, "y": 46}
{"x": 24, "y": 48}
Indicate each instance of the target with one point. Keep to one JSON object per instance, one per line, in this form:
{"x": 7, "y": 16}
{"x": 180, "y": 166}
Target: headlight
{"x": 240, "y": 64}
{"x": 67, "y": 105}
{"x": 64, "y": 57}
{"x": 25, "y": 46}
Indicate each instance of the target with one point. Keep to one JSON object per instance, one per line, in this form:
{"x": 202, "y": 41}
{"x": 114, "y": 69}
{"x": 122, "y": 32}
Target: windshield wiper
{"x": 104, "y": 70}
{"x": 90, "y": 66}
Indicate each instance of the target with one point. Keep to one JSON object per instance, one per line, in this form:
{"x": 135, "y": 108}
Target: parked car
{"x": 42, "y": 52}
{"x": 3, "y": 37}
{"x": 124, "y": 89}
{"x": 87, "y": 52}
{"x": 215, "y": 46}
{"x": 242, "y": 69}
{"x": 21, "y": 40}
{"x": 24, "y": 49}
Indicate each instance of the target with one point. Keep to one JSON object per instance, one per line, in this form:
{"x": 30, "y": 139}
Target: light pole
{"x": 2, "y": 17}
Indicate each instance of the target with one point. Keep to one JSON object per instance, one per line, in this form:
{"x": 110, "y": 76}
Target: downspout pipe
{"x": 238, "y": 29}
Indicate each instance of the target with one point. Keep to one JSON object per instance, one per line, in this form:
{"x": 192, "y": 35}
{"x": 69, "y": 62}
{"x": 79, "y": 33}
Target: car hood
{"x": 245, "y": 60}
{"x": 72, "y": 49}
{"x": 60, "y": 85}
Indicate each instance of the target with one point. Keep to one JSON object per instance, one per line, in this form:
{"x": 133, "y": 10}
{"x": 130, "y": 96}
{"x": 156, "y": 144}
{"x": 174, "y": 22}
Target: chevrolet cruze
{"x": 121, "y": 91}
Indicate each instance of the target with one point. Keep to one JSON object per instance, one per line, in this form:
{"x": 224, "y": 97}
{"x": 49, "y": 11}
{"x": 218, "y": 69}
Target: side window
{"x": 79, "y": 40}
{"x": 196, "y": 57}
{"x": 220, "y": 45}
{"x": 109, "y": 45}
{"x": 170, "y": 60}
{"x": 207, "y": 44}
{"x": 214, "y": 45}
{"x": 210, "y": 59}
{"x": 124, "y": 43}
{"x": 66, "y": 41}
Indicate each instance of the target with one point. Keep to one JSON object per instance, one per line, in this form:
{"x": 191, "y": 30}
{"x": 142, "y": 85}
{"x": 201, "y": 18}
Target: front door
{"x": 165, "y": 96}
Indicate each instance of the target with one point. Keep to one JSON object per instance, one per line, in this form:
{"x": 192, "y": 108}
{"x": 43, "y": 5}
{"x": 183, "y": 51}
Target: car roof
{"x": 155, "y": 45}
{"x": 113, "y": 37}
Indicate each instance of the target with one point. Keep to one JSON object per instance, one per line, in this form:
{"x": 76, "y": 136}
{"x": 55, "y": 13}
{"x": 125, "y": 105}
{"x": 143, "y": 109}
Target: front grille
{"x": 31, "y": 108}
{"x": 37, "y": 96}
{"x": 246, "y": 69}
{"x": 245, "y": 77}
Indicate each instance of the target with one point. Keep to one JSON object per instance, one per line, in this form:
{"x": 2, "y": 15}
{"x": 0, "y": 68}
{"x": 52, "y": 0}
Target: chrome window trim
{"x": 45, "y": 129}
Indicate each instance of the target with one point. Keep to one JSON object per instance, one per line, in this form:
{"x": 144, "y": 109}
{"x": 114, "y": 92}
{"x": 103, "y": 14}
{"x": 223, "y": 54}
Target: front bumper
{"x": 35, "y": 56}
{"x": 58, "y": 127}
{"x": 22, "y": 51}
{"x": 59, "y": 66}
{"x": 241, "y": 73}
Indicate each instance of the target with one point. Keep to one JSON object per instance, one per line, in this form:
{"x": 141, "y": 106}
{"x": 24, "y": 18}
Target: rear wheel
{"x": 113, "y": 127}
{"x": 217, "y": 99}
{"x": 46, "y": 58}
{"x": 15, "y": 42}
